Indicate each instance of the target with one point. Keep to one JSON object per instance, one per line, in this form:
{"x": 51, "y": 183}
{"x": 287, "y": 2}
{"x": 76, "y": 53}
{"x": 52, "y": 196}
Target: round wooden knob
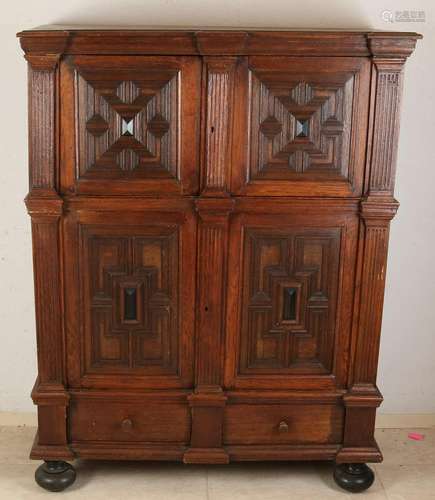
{"x": 126, "y": 424}
{"x": 283, "y": 427}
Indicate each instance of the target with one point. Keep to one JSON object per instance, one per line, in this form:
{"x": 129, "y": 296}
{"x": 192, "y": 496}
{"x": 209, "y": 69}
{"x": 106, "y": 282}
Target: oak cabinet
{"x": 210, "y": 215}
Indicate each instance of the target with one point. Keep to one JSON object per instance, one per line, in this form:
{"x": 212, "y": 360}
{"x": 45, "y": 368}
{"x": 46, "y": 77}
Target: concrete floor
{"x": 408, "y": 473}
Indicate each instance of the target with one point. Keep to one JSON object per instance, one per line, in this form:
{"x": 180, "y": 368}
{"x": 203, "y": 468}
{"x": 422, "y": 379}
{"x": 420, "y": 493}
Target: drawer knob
{"x": 126, "y": 424}
{"x": 283, "y": 427}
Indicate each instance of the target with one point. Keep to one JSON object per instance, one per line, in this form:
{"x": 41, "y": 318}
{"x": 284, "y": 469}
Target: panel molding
{"x": 308, "y": 129}
{"x": 302, "y": 126}
{"x": 306, "y": 261}
{"x": 115, "y": 260}
{"x": 130, "y": 119}
{"x": 153, "y": 251}
{"x": 133, "y": 128}
{"x": 304, "y": 219}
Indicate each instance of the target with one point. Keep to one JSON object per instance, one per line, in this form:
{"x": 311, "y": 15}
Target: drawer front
{"x": 130, "y": 124}
{"x": 301, "y": 126}
{"x": 283, "y": 424}
{"x": 129, "y": 422}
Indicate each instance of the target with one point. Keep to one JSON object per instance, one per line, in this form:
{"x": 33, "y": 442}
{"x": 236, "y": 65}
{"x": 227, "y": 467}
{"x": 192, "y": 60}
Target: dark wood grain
{"x": 73, "y": 40}
{"x": 219, "y": 75}
{"x": 154, "y": 251}
{"x": 161, "y": 152}
{"x": 281, "y": 424}
{"x": 210, "y": 217}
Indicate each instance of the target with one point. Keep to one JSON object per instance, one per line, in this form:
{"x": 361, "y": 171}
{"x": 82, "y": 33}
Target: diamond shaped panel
{"x": 129, "y": 131}
{"x": 301, "y": 126}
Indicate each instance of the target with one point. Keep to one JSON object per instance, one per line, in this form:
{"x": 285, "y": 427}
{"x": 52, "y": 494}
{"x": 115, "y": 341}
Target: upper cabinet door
{"x": 130, "y": 125}
{"x": 300, "y": 126}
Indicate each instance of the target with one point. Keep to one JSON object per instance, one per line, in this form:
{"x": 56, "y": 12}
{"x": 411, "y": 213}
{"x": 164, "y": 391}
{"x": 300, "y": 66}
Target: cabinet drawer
{"x": 283, "y": 424}
{"x": 129, "y": 422}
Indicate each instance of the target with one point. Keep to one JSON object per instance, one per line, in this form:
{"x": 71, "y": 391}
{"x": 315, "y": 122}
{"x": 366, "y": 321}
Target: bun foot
{"x": 55, "y": 476}
{"x": 354, "y": 477}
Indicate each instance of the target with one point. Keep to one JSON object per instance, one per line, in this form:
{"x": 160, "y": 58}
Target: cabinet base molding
{"x": 359, "y": 454}
{"x": 129, "y": 451}
{"x": 206, "y": 456}
{"x": 50, "y": 452}
{"x": 254, "y": 453}
{"x": 163, "y": 452}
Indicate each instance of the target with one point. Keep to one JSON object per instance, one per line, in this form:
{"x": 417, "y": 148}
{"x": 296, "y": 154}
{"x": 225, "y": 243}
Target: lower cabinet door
{"x": 290, "y": 295}
{"x": 130, "y": 295}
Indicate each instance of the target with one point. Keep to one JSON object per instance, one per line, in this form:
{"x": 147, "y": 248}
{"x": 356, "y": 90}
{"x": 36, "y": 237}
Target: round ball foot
{"x": 354, "y": 477}
{"x": 55, "y": 476}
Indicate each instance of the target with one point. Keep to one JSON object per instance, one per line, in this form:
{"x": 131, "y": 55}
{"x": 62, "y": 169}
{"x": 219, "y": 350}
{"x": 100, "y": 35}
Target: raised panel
{"x": 135, "y": 122}
{"x": 127, "y": 128}
{"x": 276, "y": 261}
{"x": 290, "y": 293}
{"x": 301, "y": 127}
{"x": 147, "y": 267}
{"x": 304, "y": 123}
{"x": 134, "y": 277}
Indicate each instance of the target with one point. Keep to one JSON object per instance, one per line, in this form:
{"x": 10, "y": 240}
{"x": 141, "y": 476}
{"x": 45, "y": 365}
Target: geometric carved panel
{"x": 132, "y": 303}
{"x": 127, "y": 122}
{"x": 289, "y": 301}
{"x": 300, "y": 124}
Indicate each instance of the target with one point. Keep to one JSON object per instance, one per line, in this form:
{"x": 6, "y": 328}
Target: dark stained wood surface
{"x": 72, "y": 40}
{"x": 210, "y": 215}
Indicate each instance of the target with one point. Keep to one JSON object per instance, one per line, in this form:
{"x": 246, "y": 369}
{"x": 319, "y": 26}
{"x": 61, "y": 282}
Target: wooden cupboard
{"x": 210, "y": 215}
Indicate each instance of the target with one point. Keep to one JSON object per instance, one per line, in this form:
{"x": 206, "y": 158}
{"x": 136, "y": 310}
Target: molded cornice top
{"x": 61, "y": 40}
